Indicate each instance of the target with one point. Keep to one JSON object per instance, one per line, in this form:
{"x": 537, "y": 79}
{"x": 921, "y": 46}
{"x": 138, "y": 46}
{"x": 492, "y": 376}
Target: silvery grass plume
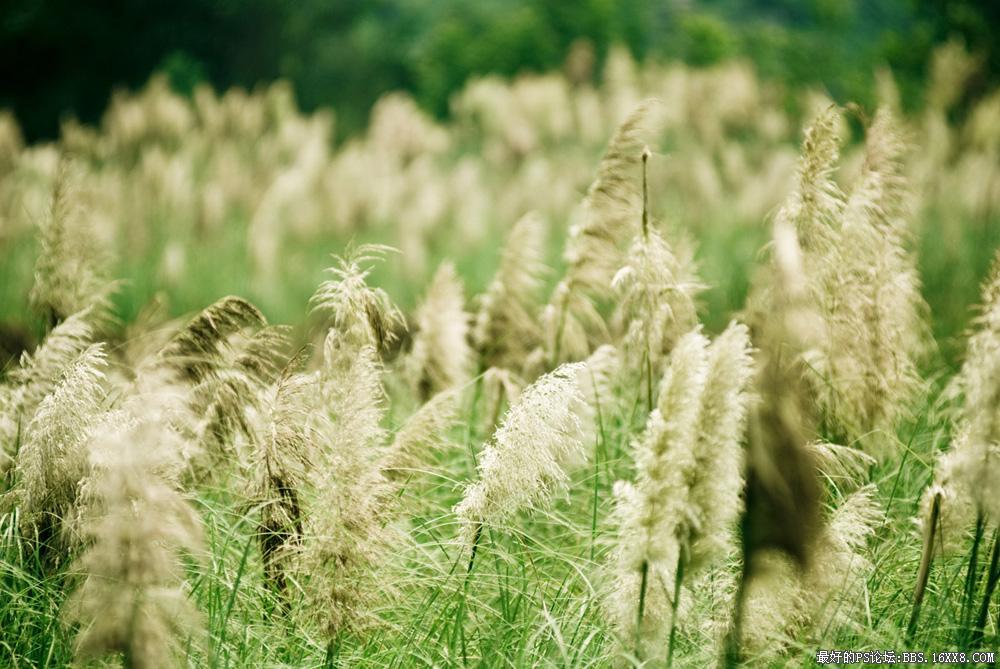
{"x": 506, "y": 330}
{"x": 233, "y": 395}
{"x": 280, "y": 465}
{"x": 816, "y": 202}
{"x": 132, "y": 602}
{"x": 53, "y": 460}
{"x": 524, "y": 464}
{"x": 608, "y": 219}
{"x": 423, "y": 433}
{"x": 868, "y": 285}
{"x": 657, "y": 289}
{"x": 364, "y": 314}
{"x": 441, "y": 357}
{"x": 35, "y": 377}
{"x": 69, "y": 274}
{"x": 783, "y": 492}
{"x": 348, "y": 537}
{"x": 679, "y": 516}
{"x": 226, "y": 357}
{"x": 785, "y": 604}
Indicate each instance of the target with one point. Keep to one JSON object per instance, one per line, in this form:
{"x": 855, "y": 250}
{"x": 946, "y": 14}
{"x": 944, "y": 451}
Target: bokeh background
{"x": 61, "y": 58}
{"x": 220, "y": 147}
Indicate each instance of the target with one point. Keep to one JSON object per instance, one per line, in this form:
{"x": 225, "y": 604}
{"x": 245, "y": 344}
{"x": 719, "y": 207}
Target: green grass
{"x": 533, "y": 599}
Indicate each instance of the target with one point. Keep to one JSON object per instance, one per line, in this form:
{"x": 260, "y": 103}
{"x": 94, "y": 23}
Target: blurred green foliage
{"x": 60, "y": 57}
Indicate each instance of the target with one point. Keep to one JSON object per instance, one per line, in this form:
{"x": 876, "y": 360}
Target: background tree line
{"x": 63, "y": 57}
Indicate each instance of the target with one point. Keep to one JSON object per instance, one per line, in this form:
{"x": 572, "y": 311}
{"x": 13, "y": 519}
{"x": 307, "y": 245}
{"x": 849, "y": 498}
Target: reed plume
{"x": 36, "y": 376}
{"x": 132, "y": 602}
{"x": 52, "y": 463}
{"x": 441, "y": 357}
{"x": 506, "y": 328}
{"x": 523, "y": 464}
{"x": 348, "y": 538}
{"x": 679, "y": 516}
{"x": 608, "y": 219}
{"x": 69, "y": 274}
{"x": 870, "y": 291}
{"x": 363, "y": 313}
{"x": 657, "y": 289}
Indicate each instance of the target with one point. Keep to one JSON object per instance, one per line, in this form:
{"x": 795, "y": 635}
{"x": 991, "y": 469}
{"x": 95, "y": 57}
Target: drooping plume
{"x": 422, "y": 434}
{"x": 282, "y": 460}
{"x": 608, "y": 218}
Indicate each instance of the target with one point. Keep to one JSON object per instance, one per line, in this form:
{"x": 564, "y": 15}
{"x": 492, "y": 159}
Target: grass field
{"x": 535, "y": 431}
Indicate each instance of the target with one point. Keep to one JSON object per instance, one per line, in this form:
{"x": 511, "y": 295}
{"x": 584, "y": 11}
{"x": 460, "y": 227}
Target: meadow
{"x": 677, "y": 370}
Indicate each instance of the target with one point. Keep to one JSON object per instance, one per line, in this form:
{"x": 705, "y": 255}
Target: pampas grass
{"x": 52, "y": 463}
{"x": 506, "y": 328}
{"x": 595, "y": 466}
{"x": 441, "y": 357}
{"x": 132, "y": 602}
{"x": 524, "y": 464}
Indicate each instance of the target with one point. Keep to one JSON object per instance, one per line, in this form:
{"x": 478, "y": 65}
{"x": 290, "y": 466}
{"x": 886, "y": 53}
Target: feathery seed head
{"x": 441, "y": 357}
{"x": 53, "y": 460}
{"x": 506, "y": 328}
{"x": 523, "y": 465}
{"x": 138, "y": 527}
{"x": 365, "y": 314}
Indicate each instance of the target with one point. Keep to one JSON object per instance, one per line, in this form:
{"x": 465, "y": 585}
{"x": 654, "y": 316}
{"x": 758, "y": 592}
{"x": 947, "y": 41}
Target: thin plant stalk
{"x": 923, "y": 574}
{"x": 643, "y": 584}
{"x": 675, "y": 605}
{"x": 971, "y": 580}
{"x": 993, "y": 577}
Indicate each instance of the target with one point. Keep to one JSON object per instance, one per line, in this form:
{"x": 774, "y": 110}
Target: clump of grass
{"x": 679, "y": 517}
{"x": 964, "y": 496}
